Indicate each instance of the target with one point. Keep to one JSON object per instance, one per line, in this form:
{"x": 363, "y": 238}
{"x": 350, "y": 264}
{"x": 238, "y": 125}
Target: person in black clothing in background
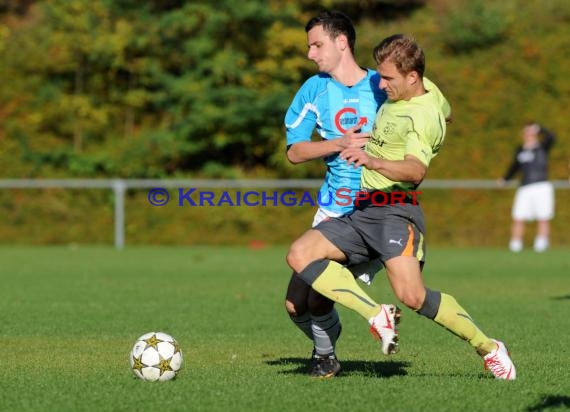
{"x": 534, "y": 199}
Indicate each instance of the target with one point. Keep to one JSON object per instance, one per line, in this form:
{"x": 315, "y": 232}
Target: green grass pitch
{"x": 69, "y": 317}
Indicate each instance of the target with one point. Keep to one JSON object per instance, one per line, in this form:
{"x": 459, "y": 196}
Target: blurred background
{"x": 174, "y": 89}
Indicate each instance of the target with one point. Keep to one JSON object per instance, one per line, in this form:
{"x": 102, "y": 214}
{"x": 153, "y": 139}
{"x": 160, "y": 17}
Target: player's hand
{"x": 357, "y": 157}
{"x": 354, "y": 138}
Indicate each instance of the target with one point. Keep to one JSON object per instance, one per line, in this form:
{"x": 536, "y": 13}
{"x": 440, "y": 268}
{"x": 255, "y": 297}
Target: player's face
{"x": 530, "y": 135}
{"x": 395, "y": 84}
{"x": 323, "y": 50}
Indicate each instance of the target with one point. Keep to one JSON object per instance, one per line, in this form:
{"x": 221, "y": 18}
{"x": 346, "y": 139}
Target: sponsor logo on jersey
{"x": 347, "y": 118}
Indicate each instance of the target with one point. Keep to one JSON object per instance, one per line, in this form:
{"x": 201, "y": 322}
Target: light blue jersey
{"x": 332, "y": 108}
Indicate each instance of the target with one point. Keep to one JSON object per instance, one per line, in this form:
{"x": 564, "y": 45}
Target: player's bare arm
{"x": 305, "y": 151}
{"x": 411, "y": 169}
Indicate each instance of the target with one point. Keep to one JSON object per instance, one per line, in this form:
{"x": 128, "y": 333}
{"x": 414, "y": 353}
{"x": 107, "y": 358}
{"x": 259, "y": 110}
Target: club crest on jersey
{"x": 389, "y": 128}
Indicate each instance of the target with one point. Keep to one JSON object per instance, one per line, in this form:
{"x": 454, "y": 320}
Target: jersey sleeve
{"x": 440, "y": 98}
{"x": 548, "y": 140}
{"x": 301, "y": 117}
{"x": 425, "y": 136}
{"x": 514, "y": 167}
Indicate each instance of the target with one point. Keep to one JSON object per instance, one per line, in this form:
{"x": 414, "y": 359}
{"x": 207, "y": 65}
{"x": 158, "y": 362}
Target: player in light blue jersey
{"x": 340, "y": 103}
{"x": 335, "y": 111}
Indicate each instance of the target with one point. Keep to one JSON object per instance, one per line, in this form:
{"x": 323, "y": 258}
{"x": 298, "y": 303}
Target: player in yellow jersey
{"x": 408, "y": 133}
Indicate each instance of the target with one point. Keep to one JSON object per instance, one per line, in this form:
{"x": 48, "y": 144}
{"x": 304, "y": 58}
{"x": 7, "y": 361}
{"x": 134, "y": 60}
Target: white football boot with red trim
{"x": 499, "y": 362}
{"x": 384, "y": 327}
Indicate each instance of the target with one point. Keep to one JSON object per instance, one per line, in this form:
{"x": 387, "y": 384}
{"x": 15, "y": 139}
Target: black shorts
{"x": 378, "y": 232}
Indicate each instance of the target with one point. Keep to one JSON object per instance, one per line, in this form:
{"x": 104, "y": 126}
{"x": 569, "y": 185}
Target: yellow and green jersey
{"x": 406, "y": 127}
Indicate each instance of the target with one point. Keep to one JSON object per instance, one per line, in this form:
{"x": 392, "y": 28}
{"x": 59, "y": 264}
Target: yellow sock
{"x": 456, "y": 319}
{"x": 337, "y": 283}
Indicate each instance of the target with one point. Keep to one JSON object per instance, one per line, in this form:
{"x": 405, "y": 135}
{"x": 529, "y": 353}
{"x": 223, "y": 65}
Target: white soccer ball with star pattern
{"x": 156, "y": 356}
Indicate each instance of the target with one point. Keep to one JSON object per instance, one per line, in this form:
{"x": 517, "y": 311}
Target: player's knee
{"x": 297, "y": 256}
{"x": 295, "y": 309}
{"x": 290, "y": 308}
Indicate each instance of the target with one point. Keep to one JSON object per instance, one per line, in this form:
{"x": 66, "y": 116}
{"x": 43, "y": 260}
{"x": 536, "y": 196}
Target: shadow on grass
{"x": 377, "y": 369}
{"x": 563, "y": 297}
{"x": 550, "y": 402}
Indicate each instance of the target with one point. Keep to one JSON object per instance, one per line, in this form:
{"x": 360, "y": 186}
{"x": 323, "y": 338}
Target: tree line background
{"x": 190, "y": 88}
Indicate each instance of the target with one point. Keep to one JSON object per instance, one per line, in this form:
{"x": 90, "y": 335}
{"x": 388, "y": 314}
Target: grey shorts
{"x": 378, "y": 232}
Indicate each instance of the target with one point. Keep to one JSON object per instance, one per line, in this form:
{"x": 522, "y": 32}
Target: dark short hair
{"x": 334, "y": 24}
{"x": 403, "y": 51}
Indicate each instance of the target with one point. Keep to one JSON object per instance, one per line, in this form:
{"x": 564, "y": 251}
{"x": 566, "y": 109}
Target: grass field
{"x": 70, "y": 316}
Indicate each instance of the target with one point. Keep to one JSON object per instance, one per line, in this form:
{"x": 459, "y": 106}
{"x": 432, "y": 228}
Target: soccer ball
{"x": 156, "y": 356}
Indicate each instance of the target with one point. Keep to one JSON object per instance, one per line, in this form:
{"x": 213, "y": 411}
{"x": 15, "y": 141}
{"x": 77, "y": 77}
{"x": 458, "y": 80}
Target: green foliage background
{"x": 153, "y": 89}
